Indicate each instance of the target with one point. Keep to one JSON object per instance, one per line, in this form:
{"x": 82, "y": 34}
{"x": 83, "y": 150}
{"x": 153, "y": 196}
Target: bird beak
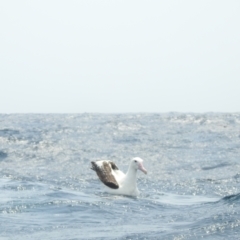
{"x": 141, "y": 167}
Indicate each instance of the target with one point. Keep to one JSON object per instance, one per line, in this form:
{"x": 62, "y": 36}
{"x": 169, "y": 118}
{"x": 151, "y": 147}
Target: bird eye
{"x": 135, "y": 160}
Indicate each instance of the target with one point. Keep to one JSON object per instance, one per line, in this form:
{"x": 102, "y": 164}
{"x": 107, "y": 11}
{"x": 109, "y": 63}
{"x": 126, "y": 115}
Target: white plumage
{"x": 115, "y": 180}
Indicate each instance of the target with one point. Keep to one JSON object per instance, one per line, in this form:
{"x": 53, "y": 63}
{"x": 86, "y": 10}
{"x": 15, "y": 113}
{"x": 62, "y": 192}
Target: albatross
{"x": 116, "y": 181}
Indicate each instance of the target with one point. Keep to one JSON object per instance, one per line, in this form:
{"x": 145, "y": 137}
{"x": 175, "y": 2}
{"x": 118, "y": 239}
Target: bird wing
{"x": 104, "y": 171}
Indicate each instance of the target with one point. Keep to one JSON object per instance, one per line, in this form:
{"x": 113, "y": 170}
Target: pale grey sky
{"x": 119, "y": 56}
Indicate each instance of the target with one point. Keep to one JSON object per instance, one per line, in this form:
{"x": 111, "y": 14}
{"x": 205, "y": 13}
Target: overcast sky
{"x": 119, "y": 56}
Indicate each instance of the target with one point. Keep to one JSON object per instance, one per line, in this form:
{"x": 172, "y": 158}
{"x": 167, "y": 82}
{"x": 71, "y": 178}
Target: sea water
{"x": 191, "y": 191}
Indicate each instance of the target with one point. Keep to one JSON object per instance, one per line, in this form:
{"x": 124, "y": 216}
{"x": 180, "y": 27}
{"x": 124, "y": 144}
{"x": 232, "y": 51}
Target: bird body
{"x": 115, "y": 180}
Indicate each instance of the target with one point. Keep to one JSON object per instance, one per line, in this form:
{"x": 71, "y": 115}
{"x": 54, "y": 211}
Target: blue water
{"x": 47, "y": 190}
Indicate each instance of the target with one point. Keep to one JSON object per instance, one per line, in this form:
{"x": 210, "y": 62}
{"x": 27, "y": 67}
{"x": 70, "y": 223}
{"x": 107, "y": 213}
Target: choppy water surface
{"x": 47, "y": 190}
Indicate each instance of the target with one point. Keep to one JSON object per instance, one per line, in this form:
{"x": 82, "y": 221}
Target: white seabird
{"x": 116, "y": 181}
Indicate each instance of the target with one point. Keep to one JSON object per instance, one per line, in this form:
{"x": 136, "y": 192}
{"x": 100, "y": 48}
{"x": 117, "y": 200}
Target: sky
{"x": 117, "y": 56}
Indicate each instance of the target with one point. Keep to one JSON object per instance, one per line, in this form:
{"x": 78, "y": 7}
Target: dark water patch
{"x": 127, "y": 140}
{"x": 3, "y": 155}
{"x": 11, "y": 135}
{"x": 232, "y": 198}
{"x": 7, "y": 132}
{"x": 216, "y": 166}
{"x": 237, "y": 176}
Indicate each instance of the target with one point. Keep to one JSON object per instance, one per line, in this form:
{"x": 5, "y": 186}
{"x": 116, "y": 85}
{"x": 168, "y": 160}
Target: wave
{"x": 3, "y": 155}
{"x": 232, "y": 198}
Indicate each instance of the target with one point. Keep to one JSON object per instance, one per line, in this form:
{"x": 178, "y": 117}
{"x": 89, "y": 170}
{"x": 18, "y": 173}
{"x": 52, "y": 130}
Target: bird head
{"x": 138, "y": 164}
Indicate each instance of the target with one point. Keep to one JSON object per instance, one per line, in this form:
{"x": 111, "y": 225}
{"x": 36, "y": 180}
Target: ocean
{"x": 191, "y": 191}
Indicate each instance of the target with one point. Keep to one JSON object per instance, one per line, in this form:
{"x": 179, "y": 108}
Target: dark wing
{"x": 104, "y": 173}
{"x": 114, "y": 166}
